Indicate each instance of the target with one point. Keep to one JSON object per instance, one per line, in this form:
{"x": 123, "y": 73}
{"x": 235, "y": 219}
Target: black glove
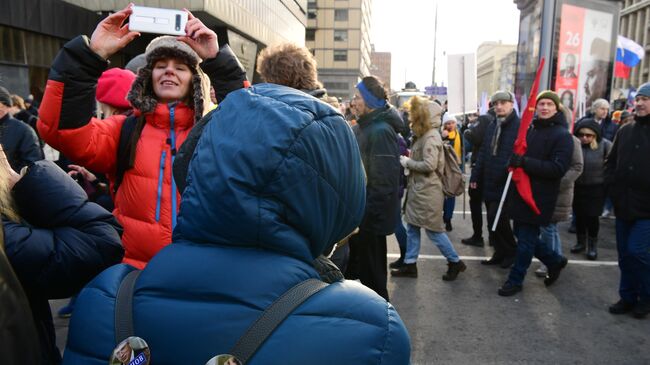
{"x": 516, "y": 161}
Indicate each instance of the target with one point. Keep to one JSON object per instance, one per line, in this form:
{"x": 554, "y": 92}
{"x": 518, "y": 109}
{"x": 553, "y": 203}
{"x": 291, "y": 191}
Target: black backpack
{"x": 124, "y": 150}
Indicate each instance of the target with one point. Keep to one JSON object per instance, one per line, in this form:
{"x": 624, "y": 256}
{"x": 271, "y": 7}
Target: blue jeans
{"x": 529, "y": 245}
{"x": 400, "y": 233}
{"x": 440, "y": 239}
{"x": 448, "y": 208}
{"x": 633, "y": 244}
{"x": 550, "y": 235}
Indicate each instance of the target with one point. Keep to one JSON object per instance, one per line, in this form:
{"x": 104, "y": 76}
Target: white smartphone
{"x": 157, "y": 20}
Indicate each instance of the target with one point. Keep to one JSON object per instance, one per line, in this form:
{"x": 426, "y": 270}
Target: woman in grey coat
{"x": 589, "y": 192}
{"x": 423, "y": 207}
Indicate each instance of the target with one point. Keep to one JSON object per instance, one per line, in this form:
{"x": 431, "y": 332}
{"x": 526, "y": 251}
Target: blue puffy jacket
{"x": 62, "y": 242}
{"x": 275, "y": 178}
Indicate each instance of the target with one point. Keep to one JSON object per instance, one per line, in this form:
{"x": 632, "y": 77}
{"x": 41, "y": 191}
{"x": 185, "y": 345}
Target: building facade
{"x": 635, "y": 24}
{"x": 338, "y": 34}
{"x": 32, "y": 31}
{"x": 495, "y": 65}
{"x": 380, "y": 66}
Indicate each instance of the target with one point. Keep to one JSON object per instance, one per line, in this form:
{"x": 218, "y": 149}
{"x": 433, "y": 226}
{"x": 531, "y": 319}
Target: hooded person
{"x": 18, "y": 139}
{"x": 169, "y": 96}
{"x": 275, "y": 179}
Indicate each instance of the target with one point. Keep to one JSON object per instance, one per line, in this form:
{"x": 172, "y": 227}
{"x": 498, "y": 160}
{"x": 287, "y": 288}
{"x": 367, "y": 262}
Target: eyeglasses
{"x": 580, "y": 135}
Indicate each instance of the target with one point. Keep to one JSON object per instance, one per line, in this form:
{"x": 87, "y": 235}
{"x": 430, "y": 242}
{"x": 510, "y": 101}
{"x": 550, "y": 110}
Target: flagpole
{"x": 503, "y": 199}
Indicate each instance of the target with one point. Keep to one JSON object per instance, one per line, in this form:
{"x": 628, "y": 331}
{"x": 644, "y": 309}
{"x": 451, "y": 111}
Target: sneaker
{"x": 621, "y": 307}
{"x": 641, "y": 309}
{"x": 473, "y": 241}
{"x": 508, "y": 289}
{"x": 554, "y": 272}
{"x": 406, "y": 270}
{"x": 396, "y": 264}
{"x": 541, "y": 271}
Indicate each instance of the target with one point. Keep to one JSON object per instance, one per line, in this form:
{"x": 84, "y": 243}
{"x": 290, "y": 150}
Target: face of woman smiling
{"x": 171, "y": 80}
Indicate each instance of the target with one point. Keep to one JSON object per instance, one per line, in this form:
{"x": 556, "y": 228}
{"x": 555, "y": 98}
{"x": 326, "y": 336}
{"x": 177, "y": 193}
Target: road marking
{"x": 479, "y": 258}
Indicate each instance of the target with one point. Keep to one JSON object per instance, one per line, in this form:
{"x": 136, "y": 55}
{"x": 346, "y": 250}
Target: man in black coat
{"x": 491, "y": 172}
{"x": 627, "y": 177}
{"x": 475, "y": 136}
{"x": 18, "y": 139}
{"x": 547, "y": 159}
{"x": 377, "y": 138}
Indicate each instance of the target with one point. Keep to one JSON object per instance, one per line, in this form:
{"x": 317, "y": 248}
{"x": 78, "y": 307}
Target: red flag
{"x": 522, "y": 181}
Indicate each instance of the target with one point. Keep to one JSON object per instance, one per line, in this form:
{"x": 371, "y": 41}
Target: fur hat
{"x": 549, "y": 94}
{"x": 141, "y": 95}
{"x": 112, "y": 87}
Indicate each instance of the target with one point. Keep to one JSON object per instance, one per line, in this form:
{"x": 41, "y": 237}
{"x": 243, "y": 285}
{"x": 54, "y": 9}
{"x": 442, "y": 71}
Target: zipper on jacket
{"x": 172, "y": 135}
{"x": 160, "y": 183}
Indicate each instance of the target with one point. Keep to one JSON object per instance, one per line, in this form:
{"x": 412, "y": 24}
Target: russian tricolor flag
{"x": 628, "y": 55}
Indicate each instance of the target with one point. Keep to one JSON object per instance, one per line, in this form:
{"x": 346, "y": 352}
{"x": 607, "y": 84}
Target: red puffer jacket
{"x": 144, "y": 203}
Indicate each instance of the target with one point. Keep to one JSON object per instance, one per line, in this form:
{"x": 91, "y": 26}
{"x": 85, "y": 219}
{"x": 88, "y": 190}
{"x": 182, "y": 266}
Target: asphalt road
{"x": 466, "y": 322}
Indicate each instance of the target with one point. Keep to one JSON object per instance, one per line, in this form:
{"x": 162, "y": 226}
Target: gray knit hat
{"x": 141, "y": 95}
{"x": 502, "y": 95}
{"x": 5, "y": 97}
{"x": 644, "y": 90}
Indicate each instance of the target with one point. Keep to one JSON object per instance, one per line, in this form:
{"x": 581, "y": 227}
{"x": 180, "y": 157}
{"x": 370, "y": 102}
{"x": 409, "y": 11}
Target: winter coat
{"x": 20, "y": 143}
{"x": 475, "y": 134}
{"x": 376, "y": 134}
{"x": 248, "y": 230}
{"x": 565, "y": 196}
{"x": 491, "y": 171}
{"x": 627, "y": 170}
{"x": 63, "y": 242}
{"x": 547, "y": 159}
{"x": 594, "y": 161}
{"x": 424, "y": 196}
{"x": 144, "y": 203}
{"x": 18, "y": 330}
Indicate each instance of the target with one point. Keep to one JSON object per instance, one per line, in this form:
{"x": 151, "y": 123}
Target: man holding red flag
{"x": 544, "y": 162}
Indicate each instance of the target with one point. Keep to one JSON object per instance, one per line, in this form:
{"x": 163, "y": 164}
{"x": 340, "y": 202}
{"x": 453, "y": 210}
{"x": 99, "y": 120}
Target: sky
{"x": 406, "y": 29}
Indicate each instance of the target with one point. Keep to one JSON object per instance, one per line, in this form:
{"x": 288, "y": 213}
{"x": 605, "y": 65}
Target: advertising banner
{"x": 584, "y": 57}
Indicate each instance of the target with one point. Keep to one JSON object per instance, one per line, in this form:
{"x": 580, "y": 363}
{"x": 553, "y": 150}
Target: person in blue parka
{"x": 56, "y": 241}
{"x": 275, "y": 178}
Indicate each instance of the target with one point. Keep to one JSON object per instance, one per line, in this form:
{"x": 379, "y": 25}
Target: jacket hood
{"x": 393, "y": 118}
{"x": 590, "y": 124}
{"x": 274, "y": 169}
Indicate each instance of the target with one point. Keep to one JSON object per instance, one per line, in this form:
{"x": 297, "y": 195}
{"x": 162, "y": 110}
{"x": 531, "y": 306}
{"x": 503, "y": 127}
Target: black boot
{"x": 397, "y": 263}
{"x": 453, "y": 269}
{"x": 592, "y": 248}
{"x": 406, "y": 270}
{"x": 581, "y": 245}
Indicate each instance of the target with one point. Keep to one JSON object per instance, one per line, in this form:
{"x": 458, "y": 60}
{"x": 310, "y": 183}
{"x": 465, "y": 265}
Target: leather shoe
{"x": 621, "y": 307}
{"x": 473, "y": 241}
{"x": 554, "y": 272}
{"x": 508, "y": 289}
{"x": 492, "y": 261}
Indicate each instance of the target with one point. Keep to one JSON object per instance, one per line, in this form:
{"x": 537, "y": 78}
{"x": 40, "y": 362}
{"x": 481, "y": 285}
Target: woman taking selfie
{"x": 169, "y": 95}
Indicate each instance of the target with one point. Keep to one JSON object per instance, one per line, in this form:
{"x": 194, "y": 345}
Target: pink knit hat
{"x": 113, "y": 86}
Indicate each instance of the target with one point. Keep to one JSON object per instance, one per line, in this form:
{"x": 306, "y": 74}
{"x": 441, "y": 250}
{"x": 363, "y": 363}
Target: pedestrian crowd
{"x": 176, "y": 195}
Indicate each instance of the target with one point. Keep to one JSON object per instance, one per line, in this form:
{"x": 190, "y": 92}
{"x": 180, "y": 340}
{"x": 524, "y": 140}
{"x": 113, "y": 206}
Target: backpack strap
{"x": 124, "y": 150}
{"x": 124, "y": 307}
{"x": 273, "y": 316}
